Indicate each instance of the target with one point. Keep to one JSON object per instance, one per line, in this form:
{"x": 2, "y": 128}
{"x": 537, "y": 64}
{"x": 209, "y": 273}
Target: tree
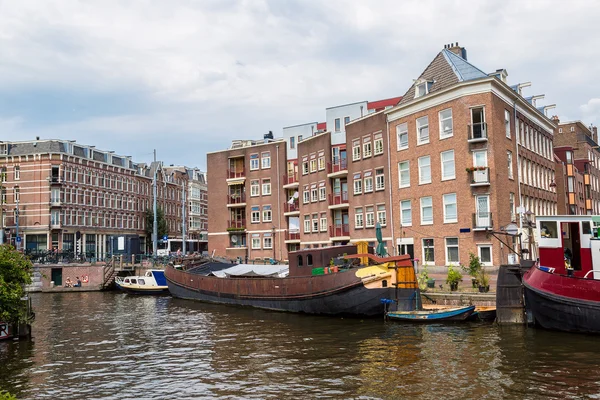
{"x": 15, "y": 273}
{"x": 161, "y": 221}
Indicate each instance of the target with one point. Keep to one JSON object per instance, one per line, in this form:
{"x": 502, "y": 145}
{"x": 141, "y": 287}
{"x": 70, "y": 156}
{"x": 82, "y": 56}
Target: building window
{"x": 507, "y": 123}
{"x": 448, "y": 165}
{"x": 510, "y": 164}
{"x": 402, "y": 134}
{"x": 367, "y": 149}
{"x": 323, "y": 222}
{"x": 452, "y": 251}
{"x": 266, "y": 160}
{"x": 254, "y": 162}
{"x": 378, "y": 145}
{"x": 511, "y": 204}
{"x": 426, "y": 211}
{"x": 422, "y": 88}
{"x": 292, "y": 142}
{"x": 322, "y": 194}
{"x": 405, "y": 213}
{"x": 368, "y": 184}
{"x": 485, "y": 254}
{"x": 337, "y": 125}
{"x": 358, "y": 218}
{"x": 404, "y": 174}
{"x": 267, "y": 215}
{"x": 424, "y": 170}
{"x": 314, "y": 195}
{"x": 315, "y": 222}
{"x": 17, "y": 193}
{"x": 450, "y": 209}
{"x": 307, "y": 224}
{"x": 255, "y": 243}
{"x": 381, "y": 215}
{"x": 306, "y": 196}
{"x": 379, "y": 179}
{"x": 357, "y": 185}
{"x": 370, "y": 217}
{"x": 428, "y": 251}
{"x": 445, "y": 117}
{"x": 313, "y": 166}
{"x": 321, "y": 163}
{"x": 346, "y": 120}
{"x": 255, "y": 215}
{"x": 17, "y": 172}
{"x": 266, "y": 187}
{"x": 356, "y": 151}
{"x": 268, "y": 242}
{"x": 423, "y": 130}
{"x": 304, "y": 167}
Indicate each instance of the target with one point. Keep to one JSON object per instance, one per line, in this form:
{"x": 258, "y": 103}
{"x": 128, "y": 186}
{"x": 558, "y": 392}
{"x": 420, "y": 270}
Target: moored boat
{"x": 152, "y": 282}
{"x": 447, "y": 314}
{"x": 317, "y": 281}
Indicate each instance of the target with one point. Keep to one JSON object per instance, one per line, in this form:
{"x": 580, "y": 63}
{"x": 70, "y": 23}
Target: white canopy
{"x": 276, "y": 271}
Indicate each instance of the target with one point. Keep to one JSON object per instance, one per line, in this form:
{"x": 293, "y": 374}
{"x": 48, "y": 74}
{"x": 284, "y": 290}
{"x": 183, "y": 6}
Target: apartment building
{"x": 246, "y": 202}
{"x": 576, "y": 147}
{"x": 58, "y": 194}
{"x": 468, "y": 150}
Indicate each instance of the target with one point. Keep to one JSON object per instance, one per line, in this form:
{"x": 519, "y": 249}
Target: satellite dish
{"x": 234, "y": 239}
{"x": 511, "y": 229}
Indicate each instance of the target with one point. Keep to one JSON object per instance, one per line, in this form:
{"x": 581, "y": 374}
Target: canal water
{"x": 114, "y": 346}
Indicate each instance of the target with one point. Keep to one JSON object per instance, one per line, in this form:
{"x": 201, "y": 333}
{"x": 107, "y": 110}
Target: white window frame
{"x": 314, "y": 195}
{"x": 322, "y": 193}
{"x": 507, "y": 123}
{"x": 256, "y": 243}
{"x": 447, "y": 247}
{"x": 292, "y": 142}
{"x": 422, "y": 123}
{"x": 315, "y": 223}
{"x": 17, "y": 170}
{"x": 337, "y": 125}
{"x": 424, "y": 166}
{"x": 307, "y": 224}
{"x": 402, "y": 131}
{"x": 356, "y": 151}
{"x": 447, "y": 200}
{"x": 368, "y": 186}
{"x": 306, "y": 197}
{"x": 357, "y": 186}
{"x": 378, "y": 146}
{"x": 405, "y": 171}
{"x": 266, "y": 187}
{"x": 255, "y": 217}
{"x": 265, "y": 160}
{"x": 423, "y": 206}
{"x": 313, "y": 165}
{"x": 267, "y": 242}
{"x": 509, "y": 159}
{"x": 486, "y": 263}
{"x": 369, "y": 217}
{"x": 379, "y": 179}
{"x": 445, "y": 119}
{"x": 367, "y": 149}
{"x": 403, "y": 208}
{"x": 444, "y": 165}
{"x": 323, "y": 224}
{"x": 359, "y": 221}
{"x": 305, "y": 167}
{"x": 381, "y": 215}
{"x": 321, "y": 163}
{"x": 267, "y": 215}
{"x": 254, "y": 163}
{"x": 254, "y": 188}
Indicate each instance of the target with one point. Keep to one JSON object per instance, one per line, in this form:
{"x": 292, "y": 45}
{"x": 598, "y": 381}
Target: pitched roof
{"x": 445, "y": 70}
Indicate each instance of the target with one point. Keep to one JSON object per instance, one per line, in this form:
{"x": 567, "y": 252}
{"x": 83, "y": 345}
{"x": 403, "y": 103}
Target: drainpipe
{"x": 278, "y": 207}
{"x": 390, "y": 186}
{"x": 517, "y": 139}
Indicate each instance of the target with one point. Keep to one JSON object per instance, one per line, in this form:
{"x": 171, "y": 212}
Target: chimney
{"x": 456, "y": 49}
{"x": 594, "y": 132}
{"x": 268, "y": 135}
{"x": 555, "y": 119}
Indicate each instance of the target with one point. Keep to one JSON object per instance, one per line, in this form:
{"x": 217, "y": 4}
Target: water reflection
{"x": 108, "y": 345}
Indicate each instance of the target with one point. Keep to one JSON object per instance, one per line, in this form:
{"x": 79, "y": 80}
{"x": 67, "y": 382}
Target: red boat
{"x": 563, "y": 291}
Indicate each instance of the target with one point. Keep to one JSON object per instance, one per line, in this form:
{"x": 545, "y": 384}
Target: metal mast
{"x": 155, "y": 226}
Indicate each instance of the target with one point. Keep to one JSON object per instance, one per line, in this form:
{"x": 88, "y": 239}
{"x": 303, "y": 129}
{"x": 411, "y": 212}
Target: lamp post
{"x": 17, "y": 225}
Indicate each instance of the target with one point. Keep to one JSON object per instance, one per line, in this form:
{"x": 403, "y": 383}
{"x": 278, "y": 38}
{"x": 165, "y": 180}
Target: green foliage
{"x": 15, "y": 272}
{"x": 483, "y": 277}
{"x": 474, "y": 268}
{"x": 161, "y": 221}
{"x": 423, "y": 278}
{"x": 6, "y": 396}
{"x": 454, "y": 275}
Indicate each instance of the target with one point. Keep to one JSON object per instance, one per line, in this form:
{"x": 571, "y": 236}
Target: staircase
{"x": 110, "y": 273}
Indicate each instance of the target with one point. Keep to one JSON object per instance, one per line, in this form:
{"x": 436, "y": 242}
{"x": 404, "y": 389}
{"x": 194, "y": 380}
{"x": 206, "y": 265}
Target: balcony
{"x": 482, "y": 221}
{"x": 236, "y": 174}
{"x": 337, "y": 168}
{"x": 478, "y": 132}
{"x": 339, "y": 231}
{"x": 292, "y": 237}
{"x": 290, "y": 180}
{"x": 291, "y": 208}
{"x": 236, "y": 200}
{"x": 55, "y": 225}
{"x": 56, "y": 180}
{"x": 55, "y": 202}
{"x": 236, "y": 224}
{"x": 338, "y": 200}
{"x": 480, "y": 176}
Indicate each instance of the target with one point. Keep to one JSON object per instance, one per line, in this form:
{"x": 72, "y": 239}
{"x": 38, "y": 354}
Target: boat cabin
{"x": 302, "y": 262}
{"x": 567, "y": 240}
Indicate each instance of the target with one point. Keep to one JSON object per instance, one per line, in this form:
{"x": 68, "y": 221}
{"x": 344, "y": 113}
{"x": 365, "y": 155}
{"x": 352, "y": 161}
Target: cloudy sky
{"x": 187, "y": 76}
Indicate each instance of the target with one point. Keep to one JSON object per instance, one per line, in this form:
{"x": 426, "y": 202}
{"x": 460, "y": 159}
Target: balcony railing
{"x": 233, "y": 174}
{"x": 293, "y": 207}
{"x": 236, "y": 224}
{"x": 236, "y": 198}
{"x": 289, "y": 179}
{"x": 339, "y": 230}
{"x": 55, "y": 225}
{"x": 338, "y": 198}
{"x": 56, "y": 180}
{"x": 340, "y": 165}
{"x": 55, "y": 202}
{"x": 480, "y": 176}
{"x": 482, "y": 221}
{"x": 478, "y": 132}
{"x": 292, "y": 236}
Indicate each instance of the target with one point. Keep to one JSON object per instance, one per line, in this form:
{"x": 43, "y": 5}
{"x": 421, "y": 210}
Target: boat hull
{"x": 156, "y": 290}
{"x": 550, "y": 300}
{"x": 429, "y": 316}
{"x": 336, "y": 294}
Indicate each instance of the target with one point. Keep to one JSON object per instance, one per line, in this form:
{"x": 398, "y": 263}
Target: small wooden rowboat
{"x": 432, "y": 315}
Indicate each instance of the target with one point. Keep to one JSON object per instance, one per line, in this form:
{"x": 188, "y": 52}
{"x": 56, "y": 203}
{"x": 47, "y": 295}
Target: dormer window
{"x": 422, "y": 88}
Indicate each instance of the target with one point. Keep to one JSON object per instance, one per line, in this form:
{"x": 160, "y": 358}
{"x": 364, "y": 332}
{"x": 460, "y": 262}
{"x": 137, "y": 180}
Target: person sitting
{"x": 78, "y": 284}
{"x": 68, "y": 282}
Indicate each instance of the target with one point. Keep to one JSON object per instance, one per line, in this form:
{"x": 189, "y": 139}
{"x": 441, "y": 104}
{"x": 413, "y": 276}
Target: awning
{"x": 275, "y": 271}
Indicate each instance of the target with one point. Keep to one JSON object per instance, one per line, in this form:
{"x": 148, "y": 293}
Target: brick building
{"x": 72, "y": 197}
{"x": 467, "y": 150}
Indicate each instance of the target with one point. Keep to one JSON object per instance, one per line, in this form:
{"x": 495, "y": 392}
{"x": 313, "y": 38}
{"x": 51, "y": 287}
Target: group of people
{"x": 69, "y": 283}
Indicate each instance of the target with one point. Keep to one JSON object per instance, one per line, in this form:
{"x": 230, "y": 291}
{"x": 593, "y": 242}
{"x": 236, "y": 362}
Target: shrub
{"x": 454, "y": 275}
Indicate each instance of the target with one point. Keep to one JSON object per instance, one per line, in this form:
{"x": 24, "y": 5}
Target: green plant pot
{"x": 484, "y": 289}
{"x": 431, "y": 283}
